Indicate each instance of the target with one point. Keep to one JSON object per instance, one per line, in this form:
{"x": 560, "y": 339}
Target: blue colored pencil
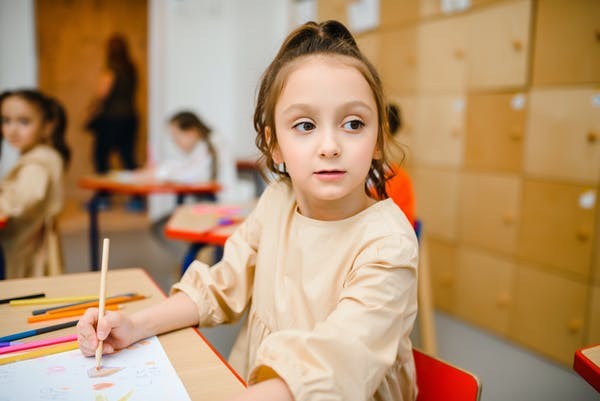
{"x": 41, "y": 330}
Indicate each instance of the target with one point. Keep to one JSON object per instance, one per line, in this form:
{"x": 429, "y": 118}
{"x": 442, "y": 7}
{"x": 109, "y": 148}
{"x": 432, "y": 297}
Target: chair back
{"x": 440, "y": 381}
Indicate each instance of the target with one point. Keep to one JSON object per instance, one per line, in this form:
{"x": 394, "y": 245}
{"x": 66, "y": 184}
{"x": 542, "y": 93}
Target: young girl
{"x": 194, "y": 160}
{"x": 31, "y": 194}
{"x": 327, "y": 274}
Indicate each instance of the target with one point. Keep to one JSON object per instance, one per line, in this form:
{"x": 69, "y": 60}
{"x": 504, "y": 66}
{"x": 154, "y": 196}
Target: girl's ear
{"x": 47, "y": 131}
{"x": 377, "y": 153}
{"x": 275, "y": 151}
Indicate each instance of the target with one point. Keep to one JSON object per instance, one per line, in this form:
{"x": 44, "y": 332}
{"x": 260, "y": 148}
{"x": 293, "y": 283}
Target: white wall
{"x": 18, "y": 61}
{"x": 208, "y": 55}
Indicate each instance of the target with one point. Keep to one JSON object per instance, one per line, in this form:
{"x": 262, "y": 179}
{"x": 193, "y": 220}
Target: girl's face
{"x": 326, "y": 125}
{"x": 186, "y": 139}
{"x": 23, "y": 125}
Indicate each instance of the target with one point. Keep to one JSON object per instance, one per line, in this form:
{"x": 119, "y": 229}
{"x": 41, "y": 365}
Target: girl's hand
{"x": 116, "y": 330}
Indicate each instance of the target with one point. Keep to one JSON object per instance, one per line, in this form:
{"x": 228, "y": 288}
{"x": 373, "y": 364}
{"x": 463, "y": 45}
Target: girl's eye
{"x": 353, "y": 125}
{"x": 304, "y": 126}
{"x": 23, "y": 121}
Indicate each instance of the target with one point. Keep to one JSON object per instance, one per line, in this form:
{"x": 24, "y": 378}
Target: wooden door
{"x": 71, "y": 38}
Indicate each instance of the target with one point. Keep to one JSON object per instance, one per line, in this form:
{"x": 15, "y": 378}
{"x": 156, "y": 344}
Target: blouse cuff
{"x": 198, "y": 294}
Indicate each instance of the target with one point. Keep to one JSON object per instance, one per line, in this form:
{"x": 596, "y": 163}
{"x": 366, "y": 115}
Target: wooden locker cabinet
{"x": 393, "y": 13}
{"x": 408, "y": 111}
{"x": 495, "y": 131}
{"x": 398, "y": 60}
{"x": 437, "y": 193}
{"x": 556, "y": 231}
{"x": 443, "y": 266}
{"x": 548, "y": 312}
{"x": 567, "y": 49}
{"x": 593, "y": 323}
{"x": 369, "y": 45}
{"x": 440, "y": 130}
{"x": 441, "y": 54}
{"x": 489, "y": 211}
{"x": 333, "y": 9}
{"x": 563, "y": 134}
{"x": 484, "y": 289}
{"x": 498, "y": 45}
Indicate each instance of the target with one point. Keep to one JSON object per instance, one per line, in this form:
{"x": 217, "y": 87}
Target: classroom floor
{"x": 507, "y": 371}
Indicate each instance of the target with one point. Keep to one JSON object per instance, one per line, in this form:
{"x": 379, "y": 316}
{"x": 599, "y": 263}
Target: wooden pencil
{"x": 103, "y": 272}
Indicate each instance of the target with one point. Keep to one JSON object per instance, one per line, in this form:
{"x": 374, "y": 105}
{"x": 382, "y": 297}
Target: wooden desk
{"x": 202, "y": 224}
{"x": 188, "y": 223}
{"x": 204, "y": 374}
{"x": 587, "y": 363}
{"x": 112, "y": 183}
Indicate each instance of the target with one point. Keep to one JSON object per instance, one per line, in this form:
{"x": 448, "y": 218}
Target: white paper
{"x": 147, "y": 375}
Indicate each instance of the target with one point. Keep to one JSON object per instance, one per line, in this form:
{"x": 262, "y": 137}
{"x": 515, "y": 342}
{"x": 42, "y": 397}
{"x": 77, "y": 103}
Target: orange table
{"x": 587, "y": 363}
{"x": 3, "y": 221}
{"x": 204, "y": 373}
{"x": 116, "y": 183}
{"x": 204, "y": 224}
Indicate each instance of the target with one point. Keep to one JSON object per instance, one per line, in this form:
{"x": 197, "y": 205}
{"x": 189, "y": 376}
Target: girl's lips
{"x": 329, "y": 175}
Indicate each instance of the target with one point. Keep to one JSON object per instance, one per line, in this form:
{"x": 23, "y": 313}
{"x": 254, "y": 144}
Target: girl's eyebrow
{"x": 302, "y": 107}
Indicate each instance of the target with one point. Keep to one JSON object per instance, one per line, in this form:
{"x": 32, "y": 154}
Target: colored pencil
{"x": 109, "y": 301}
{"x": 9, "y": 343}
{"x": 60, "y": 315}
{"x": 38, "y": 344}
{"x": 101, "y": 306}
{"x": 40, "y": 330}
{"x": 44, "y": 310}
{"x": 45, "y": 301}
{"x": 53, "y": 349}
{"x": 7, "y": 300}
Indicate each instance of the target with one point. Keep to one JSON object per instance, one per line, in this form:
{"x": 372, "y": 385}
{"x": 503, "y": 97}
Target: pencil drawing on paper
{"x": 140, "y": 372}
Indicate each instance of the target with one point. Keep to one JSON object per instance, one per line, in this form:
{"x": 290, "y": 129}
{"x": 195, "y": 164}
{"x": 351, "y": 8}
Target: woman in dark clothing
{"x": 114, "y": 121}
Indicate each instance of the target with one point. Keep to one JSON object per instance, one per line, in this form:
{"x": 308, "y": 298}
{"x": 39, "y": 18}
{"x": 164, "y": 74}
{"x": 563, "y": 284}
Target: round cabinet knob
{"x": 508, "y": 218}
{"x": 592, "y": 137}
{"x": 459, "y": 54}
{"x": 516, "y": 134}
{"x": 583, "y": 234}
{"x": 575, "y": 325}
{"x": 503, "y": 300}
{"x": 517, "y": 44}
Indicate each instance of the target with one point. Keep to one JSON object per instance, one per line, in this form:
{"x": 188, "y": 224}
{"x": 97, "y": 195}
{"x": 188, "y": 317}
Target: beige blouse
{"x": 331, "y": 303}
{"x": 31, "y": 195}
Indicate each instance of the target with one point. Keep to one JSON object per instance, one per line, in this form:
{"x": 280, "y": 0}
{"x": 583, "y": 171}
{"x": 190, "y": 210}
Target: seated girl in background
{"x": 31, "y": 194}
{"x": 193, "y": 160}
{"x": 326, "y": 273}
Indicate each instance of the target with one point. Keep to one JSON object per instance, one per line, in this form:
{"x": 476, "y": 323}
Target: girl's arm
{"x": 119, "y": 331}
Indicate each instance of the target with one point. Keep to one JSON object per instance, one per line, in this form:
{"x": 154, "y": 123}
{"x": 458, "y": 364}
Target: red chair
{"x": 440, "y": 381}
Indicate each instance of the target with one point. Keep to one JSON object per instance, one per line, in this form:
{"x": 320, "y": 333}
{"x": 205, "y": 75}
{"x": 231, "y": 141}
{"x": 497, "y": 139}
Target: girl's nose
{"x": 329, "y": 145}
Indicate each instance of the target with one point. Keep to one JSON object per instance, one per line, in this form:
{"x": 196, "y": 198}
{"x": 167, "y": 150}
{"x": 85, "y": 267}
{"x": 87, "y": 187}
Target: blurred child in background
{"x": 31, "y": 194}
{"x": 193, "y": 160}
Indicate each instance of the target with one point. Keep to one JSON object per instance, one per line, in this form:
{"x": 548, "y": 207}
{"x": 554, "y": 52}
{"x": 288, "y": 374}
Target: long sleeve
{"x": 346, "y": 356}
{"x": 221, "y": 292}
{"x": 25, "y": 191}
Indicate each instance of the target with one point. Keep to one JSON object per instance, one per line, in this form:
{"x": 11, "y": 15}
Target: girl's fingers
{"x": 109, "y": 322}
{"x": 86, "y": 334}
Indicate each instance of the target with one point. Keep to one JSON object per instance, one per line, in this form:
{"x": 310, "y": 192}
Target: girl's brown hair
{"x": 52, "y": 112}
{"x": 187, "y": 120}
{"x": 326, "y": 38}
